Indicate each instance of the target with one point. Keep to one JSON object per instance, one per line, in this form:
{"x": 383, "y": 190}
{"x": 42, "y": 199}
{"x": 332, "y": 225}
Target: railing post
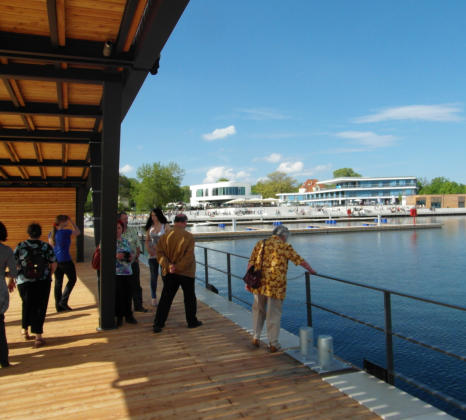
{"x": 206, "y": 268}
{"x": 308, "y": 299}
{"x": 389, "y": 337}
{"x": 229, "y": 276}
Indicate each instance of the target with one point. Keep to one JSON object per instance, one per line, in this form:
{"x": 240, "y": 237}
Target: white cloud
{"x": 220, "y": 133}
{"x": 446, "y": 112}
{"x": 261, "y": 114}
{"x": 290, "y": 167}
{"x": 368, "y": 138}
{"x": 274, "y": 158}
{"x": 315, "y": 170}
{"x": 214, "y": 174}
{"x": 126, "y": 169}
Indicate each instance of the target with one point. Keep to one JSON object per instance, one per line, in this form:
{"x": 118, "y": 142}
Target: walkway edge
{"x": 379, "y": 397}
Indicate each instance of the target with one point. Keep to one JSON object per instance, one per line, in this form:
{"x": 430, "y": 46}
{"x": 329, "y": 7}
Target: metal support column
{"x": 389, "y": 337}
{"x": 80, "y": 201}
{"x": 96, "y": 166}
{"x": 110, "y": 149}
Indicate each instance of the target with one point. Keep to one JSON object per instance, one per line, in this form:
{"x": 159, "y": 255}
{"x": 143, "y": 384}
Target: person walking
{"x": 268, "y": 298}
{"x": 156, "y": 226}
{"x": 7, "y": 260}
{"x": 36, "y": 262}
{"x": 60, "y": 239}
{"x": 135, "y": 281}
{"x": 175, "y": 253}
{"x": 123, "y": 271}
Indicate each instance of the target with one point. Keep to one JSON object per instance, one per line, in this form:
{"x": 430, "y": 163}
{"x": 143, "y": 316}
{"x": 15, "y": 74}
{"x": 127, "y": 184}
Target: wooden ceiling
{"x": 55, "y": 57}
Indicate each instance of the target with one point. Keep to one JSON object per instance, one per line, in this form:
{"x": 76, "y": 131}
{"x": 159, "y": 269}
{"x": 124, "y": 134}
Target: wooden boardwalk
{"x": 211, "y": 372}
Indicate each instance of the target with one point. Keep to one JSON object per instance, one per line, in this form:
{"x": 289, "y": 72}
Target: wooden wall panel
{"x": 25, "y": 150}
{"x": 53, "y": 171}
{"x": 78, "y": 151}
{"x": 22, "y": 206}
{"x": 4, "y": 95}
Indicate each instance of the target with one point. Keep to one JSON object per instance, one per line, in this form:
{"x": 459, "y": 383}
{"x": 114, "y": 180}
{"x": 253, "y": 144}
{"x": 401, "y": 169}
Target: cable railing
{"x": 388, "y": 373}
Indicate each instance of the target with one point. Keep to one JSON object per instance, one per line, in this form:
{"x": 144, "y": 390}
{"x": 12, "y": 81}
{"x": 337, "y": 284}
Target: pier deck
{"x": 211, "y": 372}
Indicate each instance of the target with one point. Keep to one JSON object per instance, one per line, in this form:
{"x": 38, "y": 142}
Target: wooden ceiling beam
{"x": 15, "y": 99}
{"x": 3, "y": 173}
{"x": 126, "y": 23}
{"x": 56, "y": 163}
{"x": 51, "y": 109}
{"x": 40, "y": 158}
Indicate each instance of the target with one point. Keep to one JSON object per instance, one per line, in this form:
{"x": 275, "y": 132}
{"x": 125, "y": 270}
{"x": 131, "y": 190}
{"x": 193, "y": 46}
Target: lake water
{"x": 425, "y": 263}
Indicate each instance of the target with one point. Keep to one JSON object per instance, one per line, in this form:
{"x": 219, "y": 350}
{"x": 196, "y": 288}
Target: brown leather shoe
{"x": 256, "y": 342}
{"x": 273, "y": 349}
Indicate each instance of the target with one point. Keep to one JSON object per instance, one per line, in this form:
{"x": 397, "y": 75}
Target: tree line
{"x": 158, "y": 184}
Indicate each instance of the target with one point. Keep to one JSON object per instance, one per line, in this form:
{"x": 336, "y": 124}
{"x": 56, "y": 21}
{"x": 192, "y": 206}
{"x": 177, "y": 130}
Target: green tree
{"x": 159, "y": 184}
{"x": 344, "y": 172}
{"x": 441, "y": 185}
{"x": 222, "y": 180}
{"x": 186, "y": 194}
{"x": 126, "y": 191}
{"x": 276, "y": 182}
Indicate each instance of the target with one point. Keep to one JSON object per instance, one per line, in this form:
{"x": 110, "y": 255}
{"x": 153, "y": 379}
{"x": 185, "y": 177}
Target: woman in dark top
{"x": 36, "y": 262}
{"x": 60, "y": 239}
{"x": 7, "y": 260}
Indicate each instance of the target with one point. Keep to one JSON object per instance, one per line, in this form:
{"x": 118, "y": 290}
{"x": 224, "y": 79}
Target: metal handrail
{"x": 387, "y": 329}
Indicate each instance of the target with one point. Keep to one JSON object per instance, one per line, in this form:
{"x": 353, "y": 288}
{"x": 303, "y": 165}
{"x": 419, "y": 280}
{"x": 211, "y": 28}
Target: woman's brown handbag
{"x": 96, "y": 259}
{"x": 253, "y": 276}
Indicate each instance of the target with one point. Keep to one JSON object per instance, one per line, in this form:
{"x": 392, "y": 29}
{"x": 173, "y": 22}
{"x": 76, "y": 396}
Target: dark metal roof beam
{"x": 51, "y": 73}
{"x": 46, "y": 162}
{"x": 50, "y": 141}
{"x": 39, "y": 48}
{"x": 39, "y": 182}
{"x": 159, "y": 22}
{"x": 39, "y": 108}
{"x": 52, "y": 14}
{"x": 40, "y": 135}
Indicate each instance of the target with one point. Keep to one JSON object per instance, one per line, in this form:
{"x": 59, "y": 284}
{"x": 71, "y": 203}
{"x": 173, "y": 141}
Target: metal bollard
{"x": 306, "y": 340}
{"x": 325, "y": 349}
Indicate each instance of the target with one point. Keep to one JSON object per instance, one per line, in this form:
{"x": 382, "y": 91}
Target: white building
{"x": 220, "y": 192}
{"x": 355, "y": 190}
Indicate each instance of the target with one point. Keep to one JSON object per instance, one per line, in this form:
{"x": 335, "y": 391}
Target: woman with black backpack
{"x": 36, "y": 262}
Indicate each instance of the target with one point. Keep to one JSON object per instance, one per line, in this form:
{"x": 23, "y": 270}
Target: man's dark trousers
{"x": 136, "y": 289}
{"x": 170, "y": 287}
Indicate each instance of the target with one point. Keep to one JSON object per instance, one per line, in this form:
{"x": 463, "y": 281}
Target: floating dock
{"x": 312, "y": 229}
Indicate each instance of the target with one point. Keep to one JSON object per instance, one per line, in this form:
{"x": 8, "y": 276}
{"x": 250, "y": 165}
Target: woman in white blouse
{"x": 156, "y": 226}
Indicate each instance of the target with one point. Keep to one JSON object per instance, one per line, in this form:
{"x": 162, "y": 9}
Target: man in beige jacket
{"x": 175, "y": 254}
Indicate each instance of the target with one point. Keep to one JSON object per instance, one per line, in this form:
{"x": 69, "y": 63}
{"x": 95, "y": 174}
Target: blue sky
{"x": 247, "y": 87}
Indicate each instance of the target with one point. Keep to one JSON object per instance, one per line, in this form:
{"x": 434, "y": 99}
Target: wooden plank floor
{"x": 211, "y": 372}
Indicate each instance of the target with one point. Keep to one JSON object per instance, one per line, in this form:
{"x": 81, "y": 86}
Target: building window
{"x": 421, "y": 201}
{"x": 461, "y": 202}
{"x": 199, "y": 193}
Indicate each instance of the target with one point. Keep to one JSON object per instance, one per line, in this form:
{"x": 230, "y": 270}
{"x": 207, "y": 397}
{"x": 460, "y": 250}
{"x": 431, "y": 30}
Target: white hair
{"x": 281, "y": 231}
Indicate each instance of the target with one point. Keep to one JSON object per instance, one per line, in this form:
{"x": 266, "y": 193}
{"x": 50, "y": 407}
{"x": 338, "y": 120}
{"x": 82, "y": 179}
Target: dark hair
{"x": 119, "y": 222}
{"x": 181, "y": 218}
{"x": 34, "y": 230}
{"x": 3, "y": 232}
{"x": 160, "y": 216}
{"x": 59, "y": 219}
